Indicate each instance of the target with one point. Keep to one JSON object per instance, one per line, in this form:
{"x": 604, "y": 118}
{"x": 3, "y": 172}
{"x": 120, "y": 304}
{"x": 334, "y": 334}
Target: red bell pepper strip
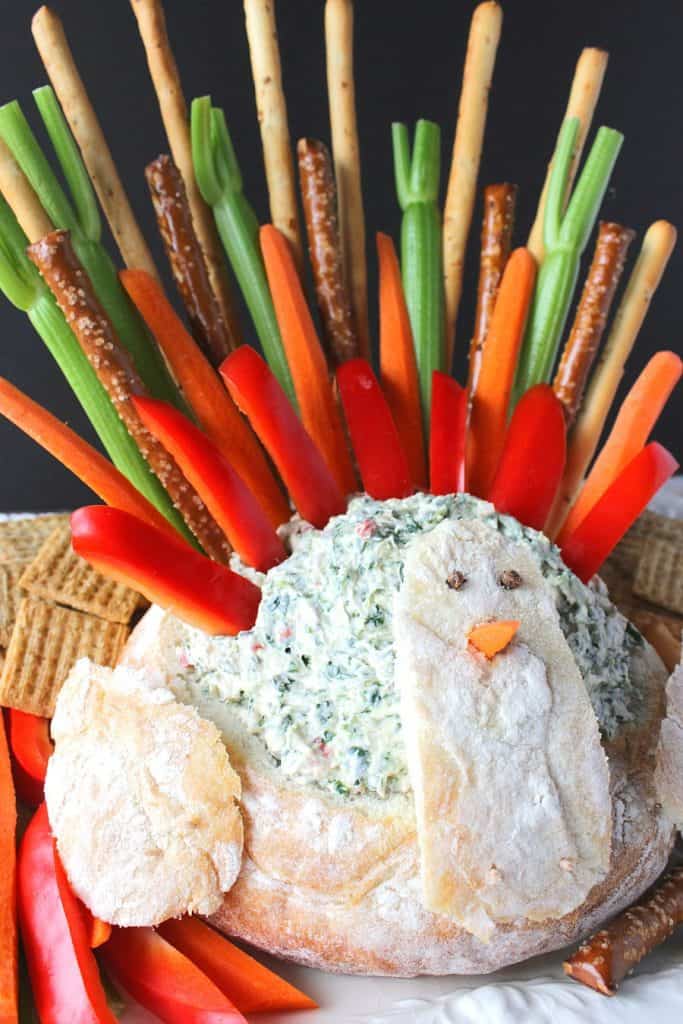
{"x": 31, "y": 746}
{"x": 601, "y": 529}
{"x": 447, "y": 435}
{"x": 9, "y": 972}
{"x": 221, "y": 488}
{"x": 168, "y": 572}
{"x": 249, "y": 985}
{"x": 532, "y": 462}
{"x": 381, "y": 458}
{"x": 164, "y": 981}
{"x": 64, "y": 976}
{"x": 256, "y": 391}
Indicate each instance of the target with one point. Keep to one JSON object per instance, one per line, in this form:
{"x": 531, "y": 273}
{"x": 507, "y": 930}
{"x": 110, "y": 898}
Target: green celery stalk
{"x": 565, "y": 234}
{"x": 84, "y": 224}
{"x": 417, "y": 188}
{"x": 220, "y": 182}
{"x": 23, "y": 286}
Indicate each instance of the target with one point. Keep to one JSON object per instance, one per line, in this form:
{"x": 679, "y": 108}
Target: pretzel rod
{"x": 56, "y": 55}
{"x": 190, "y": 274}
{"x": 272, "y": 115}
{"x": 605, "y": 960}
{"x": 496, "y": 238}
{"x": 480, "y": 59}
{"x": 656, "y": 249}
{"x": 319, "y": 196}
{"x": 605, "y": 271}
{"x": 169, "y": 92}
{"x": 23, "y": 201}
{"x": 583, "y": 97}
{"x": 346, "y": 155}
{"x": 55, "y": 258}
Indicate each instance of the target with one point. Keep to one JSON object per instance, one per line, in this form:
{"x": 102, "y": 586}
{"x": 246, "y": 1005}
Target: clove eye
{"x": 456, "y": 581}
{"x": 510, "y": 579}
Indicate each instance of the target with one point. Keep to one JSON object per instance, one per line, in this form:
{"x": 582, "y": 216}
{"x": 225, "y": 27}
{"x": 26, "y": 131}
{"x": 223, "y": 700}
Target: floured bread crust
{"x": 141, "y": 798}
{"x": 335, "y": 883}
{"x": 669, "y": 772}
{"x": 508, "y": 772}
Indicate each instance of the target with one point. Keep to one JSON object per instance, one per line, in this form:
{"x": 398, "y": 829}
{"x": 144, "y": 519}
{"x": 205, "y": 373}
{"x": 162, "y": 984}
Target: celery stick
{"x": 220, "y": 182}
{"x": 417, "y": 189}
{"x": 565, "y": 234}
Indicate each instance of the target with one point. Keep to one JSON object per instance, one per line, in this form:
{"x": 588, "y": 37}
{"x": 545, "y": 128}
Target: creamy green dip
{"x": 314, "y": 679}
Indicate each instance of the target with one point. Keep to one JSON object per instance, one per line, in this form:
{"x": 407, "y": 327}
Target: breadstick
{"x": 583, "y": 97}
{"x": 184, "y": 252}
{"x": 605, "y": 271}
{"x": 56, "y": 55}
{"x": 55, "y": 258}
{"x": 496, "y": 238}
{"x": 319, "y": 197}
{"x": 482, "y": 45}
{"x": 169, "y": 91}
{"x": 272, "y": 115}
{"x": 23, "y": 201}
{"x": 658, "y": 243}
{"x": 605, "y": 960}
{"x": 346, "y": 155}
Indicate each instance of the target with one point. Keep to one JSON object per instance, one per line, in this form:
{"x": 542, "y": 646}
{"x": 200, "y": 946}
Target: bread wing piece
{"x": 669, "y": 768}
{"x": 510, "y": 780}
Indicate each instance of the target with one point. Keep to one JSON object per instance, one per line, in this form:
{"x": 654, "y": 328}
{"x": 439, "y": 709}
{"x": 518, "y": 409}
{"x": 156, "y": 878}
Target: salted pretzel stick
{"x": 346, "y": 155}
{"x": 23, "y": 201}
{"x": 605, "y": 272}
{"x": 184, "y": 252}
{"x": 272, "y": 116}
{"x": 583, "y": 97}
{"x": 605, "y": 960}
{"x": 319, "y": 197}
{"x": 55, "y": 258}
{"x": 482, "y": 44}
{"x": 658, "y": 243}
{"x": 496, "y": 238}
{"x": 169, "y": 91}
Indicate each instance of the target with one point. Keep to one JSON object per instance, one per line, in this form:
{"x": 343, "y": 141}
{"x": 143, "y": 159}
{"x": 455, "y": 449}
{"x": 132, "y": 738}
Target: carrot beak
{"x": 490, "y": 638}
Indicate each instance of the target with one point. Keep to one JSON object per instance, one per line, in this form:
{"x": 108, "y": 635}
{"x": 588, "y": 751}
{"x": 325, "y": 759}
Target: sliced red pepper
{"x": 249, "y": 985}
{"x": 256, "y": 391}
{"x": 532, "y": 462}
{"x": 9, "y": 981}
{"x": 164, "y": 981}
{"x": 168, "y": 572}
{"x": 598, "y": 533}
{"x": 220, "y": 487}
{"x": 29, "y": 738}
{"x": 64, "y": 976}
{"x": 447, "y": 435}
{"x": 380, "y": 455}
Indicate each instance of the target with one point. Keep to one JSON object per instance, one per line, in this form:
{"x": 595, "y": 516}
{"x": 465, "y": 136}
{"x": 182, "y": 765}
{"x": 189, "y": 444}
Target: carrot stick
{"x": 491, "y": 398}
{"x": 9, "y": 982}
{"x": 398, "y": 368}
{"x": 215, "y": 410}
{"x": 319, "y": 410}
{"x": 85, "y": 462}
{"x": 632, "y": 427}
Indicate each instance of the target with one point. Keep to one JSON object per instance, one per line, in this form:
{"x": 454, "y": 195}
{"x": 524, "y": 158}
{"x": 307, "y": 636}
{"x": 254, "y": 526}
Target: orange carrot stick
{"x": 398, "y": 369}
{"x": 634, "y": 423}
{"x": 213, "y": 406}
{"x": 77, "y": 455}
{"x": 319, "y": 411}
{"x": 491, "y": 397}
{"x": 9, "y": 982}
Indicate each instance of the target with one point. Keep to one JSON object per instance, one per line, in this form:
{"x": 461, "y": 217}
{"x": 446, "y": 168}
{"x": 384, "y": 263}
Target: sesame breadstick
{"x": 23, "y": 201}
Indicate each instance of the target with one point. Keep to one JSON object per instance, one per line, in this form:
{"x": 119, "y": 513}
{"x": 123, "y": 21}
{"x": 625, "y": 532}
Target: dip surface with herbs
{"x": 314, "y": 678}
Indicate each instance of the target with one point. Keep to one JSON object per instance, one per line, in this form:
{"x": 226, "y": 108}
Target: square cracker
{"x": 21, "y": 539}
{"x": 10, "y": 595}
{"x": 59, "y": 574}
{"x": 46, "y": 641}
{"x": 659, "y": 575}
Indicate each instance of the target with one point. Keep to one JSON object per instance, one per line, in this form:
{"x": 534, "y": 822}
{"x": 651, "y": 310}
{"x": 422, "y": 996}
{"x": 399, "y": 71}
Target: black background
{"x": 408, "y": 63}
